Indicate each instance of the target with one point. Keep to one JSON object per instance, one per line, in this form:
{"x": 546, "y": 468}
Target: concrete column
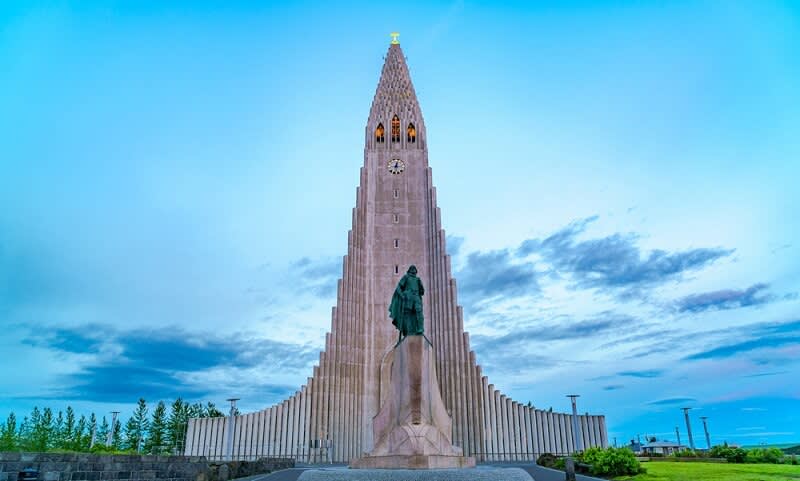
{"x": 493, "y": 428}
{"x": 272, "y": 431}
{"x": 220, "y": 429}
{"x": 688, "y": 427}
{"x": 529, "y": 432}
{"x": 705, "y": 429}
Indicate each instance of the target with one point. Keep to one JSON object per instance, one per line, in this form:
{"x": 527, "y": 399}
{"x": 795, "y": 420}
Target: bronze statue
{"x": 406, "y": 307}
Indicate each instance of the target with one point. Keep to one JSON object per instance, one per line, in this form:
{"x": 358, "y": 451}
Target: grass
{"x": 666, "y": 471}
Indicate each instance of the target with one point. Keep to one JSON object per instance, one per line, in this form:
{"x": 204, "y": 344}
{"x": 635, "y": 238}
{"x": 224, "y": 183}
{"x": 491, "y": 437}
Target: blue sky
{"x": 617, "y": 182}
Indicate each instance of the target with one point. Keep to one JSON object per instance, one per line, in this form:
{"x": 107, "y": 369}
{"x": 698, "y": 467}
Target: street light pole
{"x": 688, "y": 427}
{"x": 576, "y": 434}
{"x": 110, "y": 436}
{"x": 705, "y": 428}
{"x": 678, "y": 434}
{"x": 231, "y": 424}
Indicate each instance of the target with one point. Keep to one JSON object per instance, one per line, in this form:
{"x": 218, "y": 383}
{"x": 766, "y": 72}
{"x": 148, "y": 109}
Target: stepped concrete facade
{"x": 395, "y": 223}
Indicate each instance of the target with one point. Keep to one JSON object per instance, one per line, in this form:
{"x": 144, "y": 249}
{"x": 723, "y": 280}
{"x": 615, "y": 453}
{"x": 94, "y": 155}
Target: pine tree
{"x": 92, "y": 430}
{"x": 176, "y": 426}
{"x": 211, "y": 411}
{"x": 32, "y": 441}
{"x": 8, "y": 434}
{"x": 23, "y": 433}
{"x": 68, "y": 431}
{"x": 157, "y": 433}
{"x": 102, "y": 431}
{"x": 116, "y": 435}
{"x": 58, "y": 431}
{"x": 79, "y": 442}
{"x": 136, "y": 427}
{"x": 197, "y": 410}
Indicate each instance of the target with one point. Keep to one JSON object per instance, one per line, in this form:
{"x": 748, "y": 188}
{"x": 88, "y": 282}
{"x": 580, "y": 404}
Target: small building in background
{"x": 663, "y": 448}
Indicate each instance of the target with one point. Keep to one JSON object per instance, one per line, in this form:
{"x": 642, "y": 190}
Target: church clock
{"x": 396, "y": 166}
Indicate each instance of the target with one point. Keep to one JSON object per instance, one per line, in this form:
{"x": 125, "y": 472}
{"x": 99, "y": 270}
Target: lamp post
{"x": 94, "y": 434}
{"x": 678, "y": 435}
{"x": 705, "y": 428}
{"x": 110, "y": 435}
{"x": 688, "y": 427}
{"x": 576, "y": 434}
{"x": 231, "y": 424}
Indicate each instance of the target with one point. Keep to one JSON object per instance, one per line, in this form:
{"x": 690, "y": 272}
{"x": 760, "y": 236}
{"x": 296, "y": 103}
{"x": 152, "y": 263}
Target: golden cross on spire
{"x": 394, "y": 36}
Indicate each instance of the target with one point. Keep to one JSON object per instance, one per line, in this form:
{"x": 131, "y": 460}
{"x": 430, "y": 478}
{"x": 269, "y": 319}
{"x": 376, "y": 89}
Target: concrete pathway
{"x": 538, "y": 473}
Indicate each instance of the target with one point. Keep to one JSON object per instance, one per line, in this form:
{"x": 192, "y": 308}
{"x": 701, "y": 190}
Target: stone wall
{"x": 94, "y": 467}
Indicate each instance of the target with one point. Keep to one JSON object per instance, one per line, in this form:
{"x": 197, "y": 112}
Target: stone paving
{"x": 482, "y": 473}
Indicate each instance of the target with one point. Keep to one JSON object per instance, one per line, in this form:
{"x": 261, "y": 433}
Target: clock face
{"x": 396, "y": 166}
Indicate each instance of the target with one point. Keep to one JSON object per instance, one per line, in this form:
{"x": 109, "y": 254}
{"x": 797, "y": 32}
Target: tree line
{"x": 159, "y": 432}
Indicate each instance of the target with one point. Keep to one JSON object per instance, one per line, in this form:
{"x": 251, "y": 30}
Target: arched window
{"x": 395, "y": 129}
{"x": 379, "y": 133}
{"x": 411, "y": 134}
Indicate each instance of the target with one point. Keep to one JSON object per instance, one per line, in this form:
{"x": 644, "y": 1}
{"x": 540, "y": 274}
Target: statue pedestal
{"x": 412, "y": 430}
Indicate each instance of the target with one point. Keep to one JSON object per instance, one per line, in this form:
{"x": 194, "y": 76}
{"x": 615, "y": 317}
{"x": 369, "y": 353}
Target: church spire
{"x": 395, "y": 101}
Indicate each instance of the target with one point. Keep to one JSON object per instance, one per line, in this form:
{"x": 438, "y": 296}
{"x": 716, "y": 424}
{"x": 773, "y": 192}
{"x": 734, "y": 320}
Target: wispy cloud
{"x": 118, "y": 366}
{"x": 765, "y": 374}
{"x": 496, "y": 273}
{"x": 725, "y": 299}
{"x": 672, "y": 400}
{"x": 649, "y": 373}
{"x": 318, "y": 276}
{"x": 616, "y": 262}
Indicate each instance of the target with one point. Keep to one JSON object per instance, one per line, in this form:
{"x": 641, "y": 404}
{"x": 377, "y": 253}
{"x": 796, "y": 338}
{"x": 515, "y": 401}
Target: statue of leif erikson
{"x": 406, "y": 307}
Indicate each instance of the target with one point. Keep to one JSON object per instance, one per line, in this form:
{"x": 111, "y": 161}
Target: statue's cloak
{"x": 406, "y": 306}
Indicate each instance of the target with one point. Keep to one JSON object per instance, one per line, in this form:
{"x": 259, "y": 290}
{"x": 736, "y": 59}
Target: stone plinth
{"x": 412, "y": 430}
{"x": 481, "y": 473}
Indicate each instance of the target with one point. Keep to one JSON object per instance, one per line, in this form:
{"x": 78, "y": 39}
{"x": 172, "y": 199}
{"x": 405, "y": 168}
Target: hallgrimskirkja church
{"x": 396, "y": 223}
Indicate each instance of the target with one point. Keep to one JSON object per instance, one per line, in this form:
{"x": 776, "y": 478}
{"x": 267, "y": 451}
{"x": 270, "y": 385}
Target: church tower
{"x": 395, "y": 223}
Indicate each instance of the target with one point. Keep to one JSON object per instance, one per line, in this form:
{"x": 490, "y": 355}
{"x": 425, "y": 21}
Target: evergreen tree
{"x": 44, "y": 436}
{"x": 79, "y": 439}
{"x": 136, "y": 427}
{"x": 58, "y": 431}
{"x": 8, "y": 434}
{"x": 197, "y": 410}
{"x": 176, "y": 426}
{"x": 68, "y": 430}
{"x": 116, "y": 436}
{"x": 211, "y": 411}
{"x": 32, "y": 441}
{"x": 157, "y": 432}
{"x": 23, "y": 433}
{"x": 92, "y": 430}
{"x": 102, "y": 431}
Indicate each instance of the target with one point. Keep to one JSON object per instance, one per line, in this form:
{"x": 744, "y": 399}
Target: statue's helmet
{"x": 412, "y": 269}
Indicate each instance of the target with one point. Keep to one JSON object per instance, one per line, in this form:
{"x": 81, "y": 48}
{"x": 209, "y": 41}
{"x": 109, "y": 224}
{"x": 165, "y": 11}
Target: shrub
{"x": 764, "y": 455}
{"x": 612, "y": 461}
{"x": 547, "y": 460}
{"x": 733, "y": 455}
{"x": 684, "y": 453}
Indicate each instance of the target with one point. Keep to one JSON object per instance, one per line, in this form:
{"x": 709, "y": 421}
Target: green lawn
{"x": 668, "y": 471}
